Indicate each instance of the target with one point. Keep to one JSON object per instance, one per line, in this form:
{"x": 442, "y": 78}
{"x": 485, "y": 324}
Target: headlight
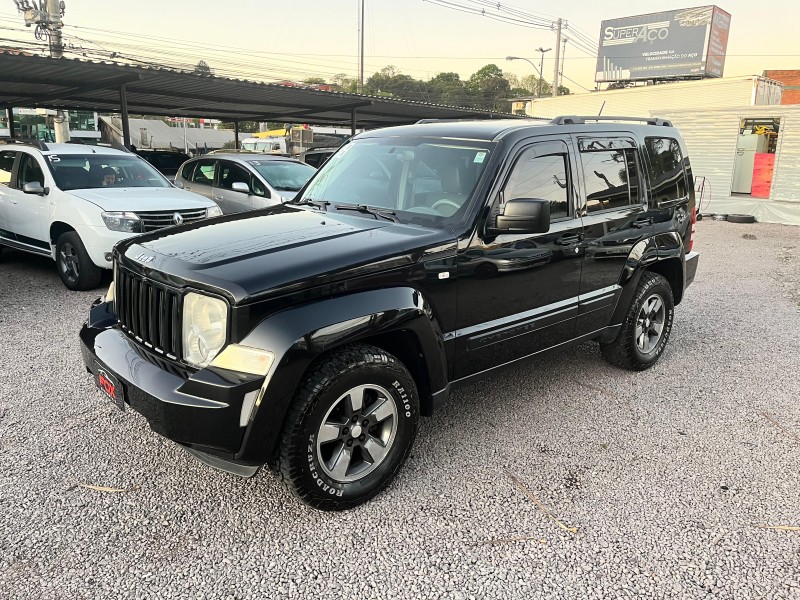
{"x": 244, "y": 359}
{"x": 205, "y": 323}
{"x": 214, "y": 211}
{"x": 127, "y": 222}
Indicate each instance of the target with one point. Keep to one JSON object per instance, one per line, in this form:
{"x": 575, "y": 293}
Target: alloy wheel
{"x": 68, "y": 262}
{"x": 357, "y": 433}
{"x": 650, "y": 323}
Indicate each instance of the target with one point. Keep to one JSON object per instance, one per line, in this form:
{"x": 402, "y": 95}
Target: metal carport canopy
{"x": 42, "y": 82}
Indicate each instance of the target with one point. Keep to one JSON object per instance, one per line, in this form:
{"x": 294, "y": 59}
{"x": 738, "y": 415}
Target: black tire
{"x": 76, "y": 269}
{"x": 306, "y": 464}
{"x": 630, "y": 350}
{"x": 720, "y": 217}
{"x": 741, "y": 219}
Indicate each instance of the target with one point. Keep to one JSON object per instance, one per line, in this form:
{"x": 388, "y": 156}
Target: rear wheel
{"x": 350, "y": 428}
{"x": 75, "y": 268}
{"x": 646, "y": 328}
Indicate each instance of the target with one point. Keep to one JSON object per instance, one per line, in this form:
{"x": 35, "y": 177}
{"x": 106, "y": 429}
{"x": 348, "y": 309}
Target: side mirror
{"x": 178, "y": 184}
{"x": 34, "y": 187}
{"x": 239, "y": 186}
{"x": 523, "y": 215}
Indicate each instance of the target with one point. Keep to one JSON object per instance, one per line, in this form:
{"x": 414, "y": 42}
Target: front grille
{"x": 149, "y": 312}
{"x": 153, "y": 220}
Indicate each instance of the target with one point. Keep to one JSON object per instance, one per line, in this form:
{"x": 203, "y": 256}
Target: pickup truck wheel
{"x": 75, "y": 268}
{"x": 350, "y": 428}
{"x": 646, "y": 328}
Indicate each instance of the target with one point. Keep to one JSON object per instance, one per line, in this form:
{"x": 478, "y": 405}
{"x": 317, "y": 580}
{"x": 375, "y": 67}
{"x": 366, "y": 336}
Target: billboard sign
{"x": 677, "y": 43}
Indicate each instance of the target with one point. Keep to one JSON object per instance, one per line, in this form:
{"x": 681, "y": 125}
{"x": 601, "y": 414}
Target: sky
{"x": 304, "y": 38}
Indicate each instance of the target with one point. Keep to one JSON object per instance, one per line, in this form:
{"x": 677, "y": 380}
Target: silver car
{"x": 240, "y": 182}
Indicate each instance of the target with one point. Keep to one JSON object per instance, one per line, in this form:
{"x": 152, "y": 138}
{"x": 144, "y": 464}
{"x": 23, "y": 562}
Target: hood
{"x": 142, "y": 198}
{"x": 264, "y": 253}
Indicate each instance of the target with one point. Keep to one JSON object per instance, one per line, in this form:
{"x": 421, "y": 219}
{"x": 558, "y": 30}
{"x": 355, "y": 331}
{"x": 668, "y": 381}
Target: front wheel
{"x": 646, "y": 328}
{"x": 350, "y": 428}
{"x": 76, "y": 269}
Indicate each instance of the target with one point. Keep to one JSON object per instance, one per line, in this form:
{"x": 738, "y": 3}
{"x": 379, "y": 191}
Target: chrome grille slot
{"x": 153, "y": 220}
{"x": 149, "y": 312}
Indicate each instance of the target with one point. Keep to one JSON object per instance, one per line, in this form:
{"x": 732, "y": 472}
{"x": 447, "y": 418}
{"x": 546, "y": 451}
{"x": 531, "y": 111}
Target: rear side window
{"x": 204, "y": 172}
{"x": 612, "y": 179}
{"x": 665, "y": 167}
{"x": 6, "y": 165}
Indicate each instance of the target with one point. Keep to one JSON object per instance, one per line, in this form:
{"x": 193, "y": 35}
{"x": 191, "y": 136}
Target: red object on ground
{"x": 763, "y": 166}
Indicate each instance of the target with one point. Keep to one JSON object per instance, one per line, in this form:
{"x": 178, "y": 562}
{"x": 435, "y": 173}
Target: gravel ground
{"x": 672, "y": 478}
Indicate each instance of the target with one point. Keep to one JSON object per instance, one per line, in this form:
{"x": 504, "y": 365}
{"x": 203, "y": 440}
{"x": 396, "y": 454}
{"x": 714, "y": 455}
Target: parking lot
{"x": 565, "y": 478}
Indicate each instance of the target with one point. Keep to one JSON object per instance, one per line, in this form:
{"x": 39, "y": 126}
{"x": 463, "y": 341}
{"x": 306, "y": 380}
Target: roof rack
{"x": 576, "y": 120}
{"x": 26, "y": 141}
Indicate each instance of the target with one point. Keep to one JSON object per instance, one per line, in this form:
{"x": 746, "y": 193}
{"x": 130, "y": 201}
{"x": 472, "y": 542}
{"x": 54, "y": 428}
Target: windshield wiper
{"x": 309, "y": 202}
{"x": 363, "y": 208}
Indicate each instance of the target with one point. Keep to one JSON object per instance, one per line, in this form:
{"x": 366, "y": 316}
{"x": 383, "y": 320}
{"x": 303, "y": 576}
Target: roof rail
{"x": 26, "y": 141}
{"x": 576, "y": 120}
{"x": 114, "y": 145}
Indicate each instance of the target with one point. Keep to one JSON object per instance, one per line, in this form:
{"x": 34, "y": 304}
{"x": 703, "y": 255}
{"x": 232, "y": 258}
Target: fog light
{"x": 107, "y": 256}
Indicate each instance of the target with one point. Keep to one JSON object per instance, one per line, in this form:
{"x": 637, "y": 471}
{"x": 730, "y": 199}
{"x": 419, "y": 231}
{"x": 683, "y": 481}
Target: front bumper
{"x": 691, "y": 267}
{"x": 200, "y": 409}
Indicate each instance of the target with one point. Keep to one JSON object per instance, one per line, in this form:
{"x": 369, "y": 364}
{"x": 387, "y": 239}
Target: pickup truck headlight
{"x": 205, "y": 323}
{"x": 214, "y": 211}
{"x": 127, "y": 222}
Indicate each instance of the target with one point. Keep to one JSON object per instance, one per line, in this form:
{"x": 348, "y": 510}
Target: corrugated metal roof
{"x": 44, "y": 82}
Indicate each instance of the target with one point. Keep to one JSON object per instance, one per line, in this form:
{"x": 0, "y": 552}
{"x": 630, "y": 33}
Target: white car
{"x": 74, "y": 202}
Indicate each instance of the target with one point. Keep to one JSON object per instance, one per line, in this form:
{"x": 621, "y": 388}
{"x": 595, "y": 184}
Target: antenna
{"x": 602, "y": 106}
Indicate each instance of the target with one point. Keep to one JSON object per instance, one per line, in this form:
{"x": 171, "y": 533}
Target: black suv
{"x": 312, "y": 335}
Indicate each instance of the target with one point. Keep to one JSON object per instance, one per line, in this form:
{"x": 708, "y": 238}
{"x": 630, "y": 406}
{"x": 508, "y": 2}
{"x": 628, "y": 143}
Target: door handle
{"x": 642, "y": 222}
{"x": 570, "y": 238}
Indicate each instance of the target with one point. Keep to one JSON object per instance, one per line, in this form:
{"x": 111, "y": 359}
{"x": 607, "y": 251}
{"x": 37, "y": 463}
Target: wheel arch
{"x": 672, "y": 270}
{"x": 397, "y": 320}
{"x": 57, "y": 229}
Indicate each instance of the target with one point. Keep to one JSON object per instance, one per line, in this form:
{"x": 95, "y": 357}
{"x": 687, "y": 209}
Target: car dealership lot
{"x": 672, "y": 477}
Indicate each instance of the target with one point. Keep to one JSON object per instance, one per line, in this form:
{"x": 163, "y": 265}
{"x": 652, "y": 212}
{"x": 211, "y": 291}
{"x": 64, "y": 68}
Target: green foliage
{"x": 244, "y": 126}
{"x": 202, "y": 68}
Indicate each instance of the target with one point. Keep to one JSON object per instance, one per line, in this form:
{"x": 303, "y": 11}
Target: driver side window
{"x": 543, "y": 177}
{"x": 29, "y": 171}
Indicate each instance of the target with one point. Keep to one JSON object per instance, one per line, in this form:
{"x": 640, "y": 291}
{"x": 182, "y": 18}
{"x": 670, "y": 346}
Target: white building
{"x": 744, "y": 145}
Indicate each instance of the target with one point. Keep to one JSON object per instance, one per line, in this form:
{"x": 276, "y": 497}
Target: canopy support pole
{"x": 11, "y": 129}
{"x": 236, "y": 134}
{"x": 353, "y": 122}
{"x": 126, "y": 127}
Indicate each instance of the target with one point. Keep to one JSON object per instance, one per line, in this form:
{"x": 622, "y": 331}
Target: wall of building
{"x": 791, "y": 84}
{"x": 711, "y": 139}
{"x": 726, "y": 92}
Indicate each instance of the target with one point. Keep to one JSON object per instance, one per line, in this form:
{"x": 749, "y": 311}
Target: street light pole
{"x": 541, "y": 66}
{"x": 531, "y": 63}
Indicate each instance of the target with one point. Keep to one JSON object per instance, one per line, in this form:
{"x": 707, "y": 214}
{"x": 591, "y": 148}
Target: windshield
{"x": 424, "y": 180}
{"x": 283, "y": 175}
{"x": 82, "y": 171}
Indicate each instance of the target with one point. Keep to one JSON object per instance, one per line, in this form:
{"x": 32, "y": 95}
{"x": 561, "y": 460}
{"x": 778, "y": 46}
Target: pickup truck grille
{"x": 153, "y": 220}
{"x": 149, "y": 312}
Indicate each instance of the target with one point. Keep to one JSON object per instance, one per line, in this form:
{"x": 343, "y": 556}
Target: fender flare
{"x": 298, "y": 335}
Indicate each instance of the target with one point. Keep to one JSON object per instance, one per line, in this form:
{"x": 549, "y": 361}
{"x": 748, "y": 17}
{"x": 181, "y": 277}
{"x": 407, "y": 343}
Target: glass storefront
{"x": 38, "y": 123}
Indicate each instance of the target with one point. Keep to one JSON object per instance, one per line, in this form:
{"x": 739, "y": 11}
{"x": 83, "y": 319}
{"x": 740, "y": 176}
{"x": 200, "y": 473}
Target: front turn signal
{"x": 244, "y": 359}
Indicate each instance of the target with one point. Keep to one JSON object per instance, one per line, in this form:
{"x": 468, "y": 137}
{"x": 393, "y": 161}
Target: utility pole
{"x": 556, "y": 61}
{"x": 360, "y": 46}
{"x": 564, "y": 41}
{"x": 46, "y": 15}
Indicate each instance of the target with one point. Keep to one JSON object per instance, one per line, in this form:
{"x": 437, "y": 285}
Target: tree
{"x": 314, "y": 81}
{"x": 244, "y": 126}
{"x": 202, "y": 68}
{"x": 491, "y": 88}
